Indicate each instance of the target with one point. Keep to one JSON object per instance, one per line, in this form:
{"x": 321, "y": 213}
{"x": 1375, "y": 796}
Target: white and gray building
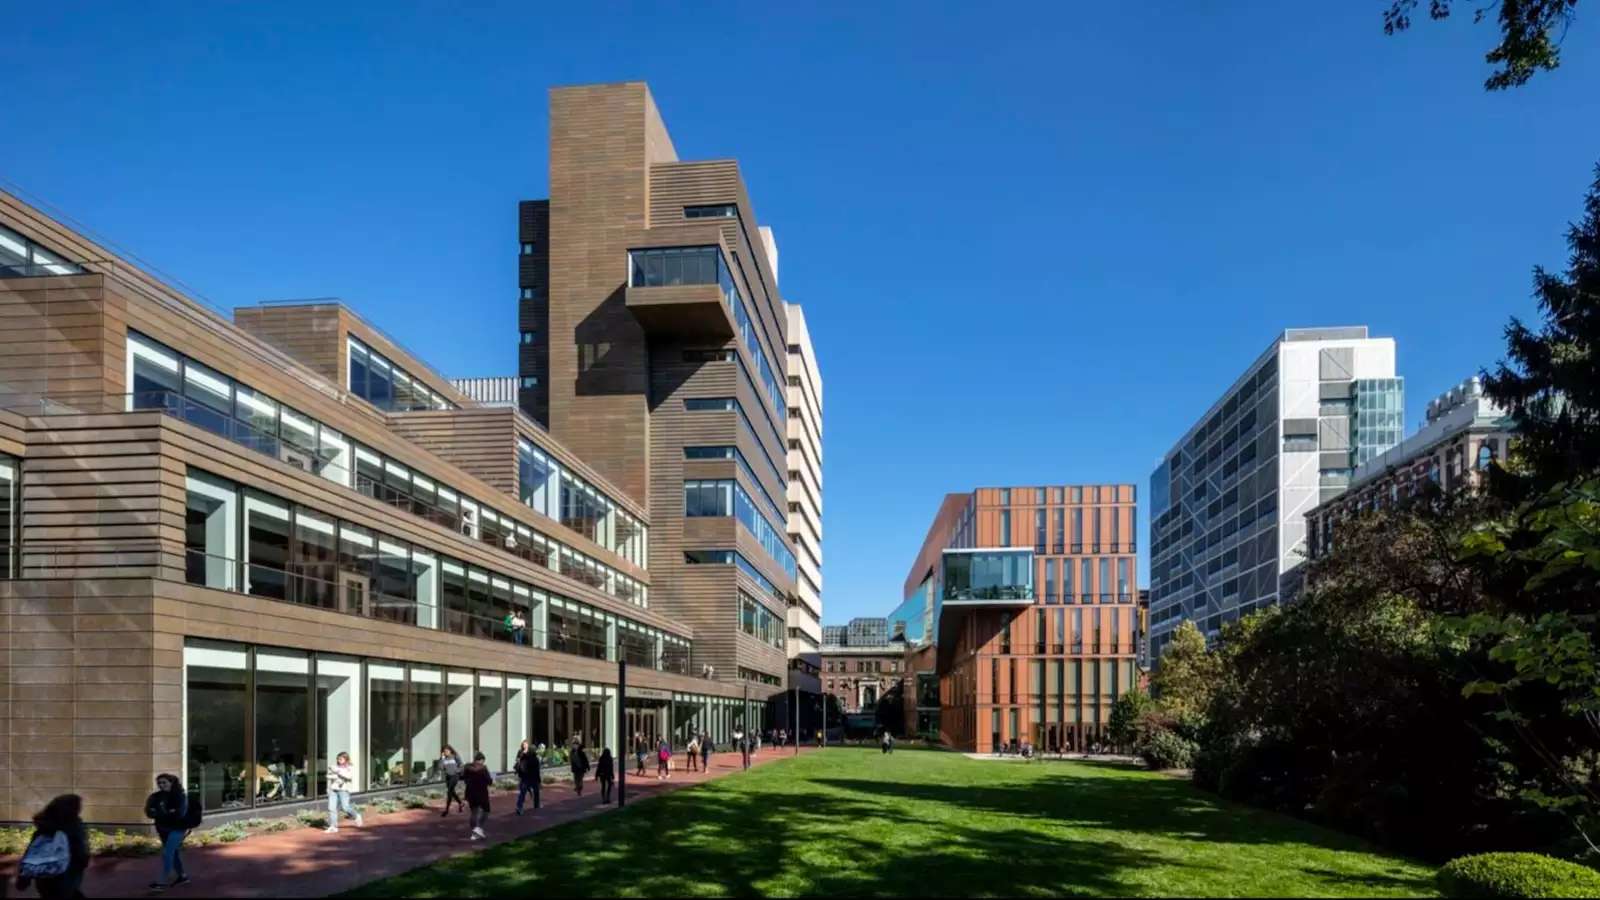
{"x": 805, "y": 481}
{"x": 1229, "y": 501}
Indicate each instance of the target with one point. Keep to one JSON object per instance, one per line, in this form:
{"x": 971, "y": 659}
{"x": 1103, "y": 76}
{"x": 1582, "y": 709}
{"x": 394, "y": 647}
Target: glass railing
{"x": 361, "y": 597}
{"x": 334, "y": 466}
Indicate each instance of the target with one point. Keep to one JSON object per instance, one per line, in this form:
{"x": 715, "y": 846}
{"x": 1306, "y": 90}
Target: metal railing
{"x": 360, "y": 595}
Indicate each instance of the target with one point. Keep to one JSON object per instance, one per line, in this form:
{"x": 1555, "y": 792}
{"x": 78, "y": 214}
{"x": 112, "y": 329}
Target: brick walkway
{"x": 305, "y": 862}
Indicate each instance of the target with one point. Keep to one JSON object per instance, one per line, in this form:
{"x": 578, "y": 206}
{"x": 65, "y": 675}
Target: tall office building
{"x": 1029, "y": 597}
{"x": 1228, "y": 503}
{"x": 653, "y": 342}
{"x": 234, "y": 547}
{"x": 805, "y": 480}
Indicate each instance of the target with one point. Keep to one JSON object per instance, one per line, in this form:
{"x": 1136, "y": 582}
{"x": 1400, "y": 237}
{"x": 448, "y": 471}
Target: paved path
{"x": 305, "y": 862}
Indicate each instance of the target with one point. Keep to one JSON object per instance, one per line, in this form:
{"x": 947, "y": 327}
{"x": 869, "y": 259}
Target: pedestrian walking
{"x": 605, "y": 772}
{"x": 663, "y": 759}
{"x": 693, "y": 751}
{"x": 640, "y": 748}
{"x": 341, "y": 781}
{"x": 744, "y": 748}
{"x": 706, "y": 746}
{"x": 477, "y": 780}
{"x": 580, "y": 767}
{"x": 169, "y": 808}
{"x": 528, "y": 775}
{"x": 450, "y": 766}
{"x": 58, "y": 852}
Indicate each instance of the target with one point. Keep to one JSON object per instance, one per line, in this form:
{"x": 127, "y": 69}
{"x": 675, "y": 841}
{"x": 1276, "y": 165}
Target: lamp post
{"x": 797, "y": 720}
{"x": 622, "y": 730}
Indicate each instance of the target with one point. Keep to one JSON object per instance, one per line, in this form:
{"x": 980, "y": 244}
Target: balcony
{"x": 682, "y": 293}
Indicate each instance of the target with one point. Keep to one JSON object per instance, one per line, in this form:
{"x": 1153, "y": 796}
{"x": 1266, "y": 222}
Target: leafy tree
{"x": 1123, "y": 724}
{"x": 1530, "y": 33}
{"x": 1186, "y": 675}
{"x": 1551, "y": 385}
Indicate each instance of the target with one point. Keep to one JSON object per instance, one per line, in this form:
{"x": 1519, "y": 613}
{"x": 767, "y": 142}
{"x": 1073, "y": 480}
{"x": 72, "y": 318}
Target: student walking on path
{"x": 706, "y": 746}
{"x": 580, "y": 767}
{"x": 169, "y": 809}
{"x": 528, "y": 775}
{"x": 477, "y": 779}
{"x": 663, "y": 760}
{"x": 693, "y": 752}
{"x": 450, "y": 767}
{"x": 640, "y": 748}
{"x": 744, "y": 748}
{"x": 58, "y": 852}
{"x": 341, "y": 780}
{"x": 605, "y": 772}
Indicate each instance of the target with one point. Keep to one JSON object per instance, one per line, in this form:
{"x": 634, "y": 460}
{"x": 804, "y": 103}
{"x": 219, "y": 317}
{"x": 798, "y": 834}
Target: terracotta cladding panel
{"x": 310, "y": 334}
{"x": 53, "y": 337}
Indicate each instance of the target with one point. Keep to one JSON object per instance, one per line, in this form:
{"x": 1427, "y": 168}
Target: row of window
{"x": 385, "y": 385}
{"x": 759, "y": 622}
{"x": 727, "y": 497}
{"x": 729, "y": 558}
{"x": 729, "y": 452}
{"x": 1040, "y": 534}
{"x": 161, "y": 378}
{"x": 22, "y": 257}
{"x": 546, "y": 486}
{"x": 669, "y": 266}
{"x": 863, "y": 665}
{"x": 1093, "y": 493}
{"x": 1065, "y": 590}
{"x": 241, "y": 539}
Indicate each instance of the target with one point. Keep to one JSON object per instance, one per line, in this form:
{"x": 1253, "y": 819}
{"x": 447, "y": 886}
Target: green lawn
{"x": 848, "y": 822}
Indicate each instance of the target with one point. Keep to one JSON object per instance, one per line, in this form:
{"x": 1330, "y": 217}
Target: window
{"x": 215, "y": 678}
{"x": 702, "y": 404}
{"x": 211, "y": 511}
{"x": 528, "y": 382}
{"x": 527, "y": 248}
{"x": 1005, "y": 496}
{"x": 339, "y": 717}
{"x": 282, "y": 725}
{"x": 527, "y": 293}
{"x": 721, "y": 211}
{"x": 21, "y": 257}
{"x": 1005, "y": 527}
{"x": 700, "y": 356}
{"x": 385, "y": 385}
{"x": 529, "y": 337}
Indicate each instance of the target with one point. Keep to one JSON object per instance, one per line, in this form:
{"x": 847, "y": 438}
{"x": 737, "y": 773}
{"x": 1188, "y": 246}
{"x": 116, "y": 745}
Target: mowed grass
{"x": 853, "y": 822}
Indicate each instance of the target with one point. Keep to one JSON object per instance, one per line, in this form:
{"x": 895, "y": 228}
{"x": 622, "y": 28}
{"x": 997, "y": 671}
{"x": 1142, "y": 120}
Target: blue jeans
{"x": 171, "y": 858}
{"x": 524, "y": 788}
{"x": 339, "y": 800}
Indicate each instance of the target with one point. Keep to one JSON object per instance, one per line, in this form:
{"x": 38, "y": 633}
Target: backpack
{"x": 47, "y": 857}
{"x": 193, "y": 815}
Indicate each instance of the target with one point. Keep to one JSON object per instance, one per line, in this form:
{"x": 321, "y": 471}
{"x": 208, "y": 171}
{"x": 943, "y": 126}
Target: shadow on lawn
{"x": 709, "y": 843}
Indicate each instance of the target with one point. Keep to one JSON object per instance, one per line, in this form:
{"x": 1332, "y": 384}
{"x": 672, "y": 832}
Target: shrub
{"x": 385, "y": 807}
{"x": 1517, "y": 875}
{"x": 413, "y": 801}
{"x": 1168, "y": 750}
{"x": 121, "y": 843}
{"x": 548, "y": 779}
{"x": 312, "y": 818}
{"x": 505, "y": 783}
{"x": 276, "y": 825}
{"x": 227, "y": 834}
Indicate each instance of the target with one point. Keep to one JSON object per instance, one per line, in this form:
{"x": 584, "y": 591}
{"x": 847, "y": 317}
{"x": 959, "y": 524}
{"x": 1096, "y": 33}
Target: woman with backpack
{"x": 693, "y": 750}
{"x": 169, "y": 808}
{"x": 663, "y": 760}
{"x": 605, "y": 772}
{"x": 58, "y": 852}
{"x": 450, "y": 767}
{"x": 341, "y": 779}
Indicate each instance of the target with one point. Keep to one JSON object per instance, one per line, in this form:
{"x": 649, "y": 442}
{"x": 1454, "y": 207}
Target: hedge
{"x": 1517, "y": 875}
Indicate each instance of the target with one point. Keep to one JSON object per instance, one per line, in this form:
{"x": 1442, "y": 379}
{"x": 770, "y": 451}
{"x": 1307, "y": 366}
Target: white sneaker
{"x": 331, "y": 829}
{"x": 359, "y": 821}
{"x": 478, "y": 833}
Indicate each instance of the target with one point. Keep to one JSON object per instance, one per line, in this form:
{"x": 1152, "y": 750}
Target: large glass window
{"x": 339, "y": 717}
{"x": 427, "y": 723}
{"x": 210, "y": 527}
{"x": 8, "y": 516}
{"x": 460, "y": 713}
{"x": 153, "y": 374}
{"x": 491, "y": 720}
{"x": 283, "y": 725}
{"x": 725, "y": 497}
{"x": 22, "y": 257}
{"x": 316, "y": 560}
{"x": 215, "y": 724}
{"x": 266, "y": 546}
{"x": 387, "y": 386}
{"x": 386, "y": 701}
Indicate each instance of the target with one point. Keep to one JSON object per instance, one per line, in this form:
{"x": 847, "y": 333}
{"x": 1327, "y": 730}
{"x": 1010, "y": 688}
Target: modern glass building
{"x": 1027, "y": 597}
{"x": 235, "y": 544}
{"x": 1229, "y": 501}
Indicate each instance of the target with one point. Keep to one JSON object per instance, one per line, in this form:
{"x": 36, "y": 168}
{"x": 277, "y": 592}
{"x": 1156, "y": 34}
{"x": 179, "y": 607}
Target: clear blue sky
{"x": 1033, "y": 242}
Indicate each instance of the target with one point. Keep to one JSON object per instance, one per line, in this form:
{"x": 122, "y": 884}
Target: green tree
{"x": 1123, "y": 724}
{"x": 1530, "y": 33}
{"x": 1186, "y": 675}
{"x": 1551, "y": 383}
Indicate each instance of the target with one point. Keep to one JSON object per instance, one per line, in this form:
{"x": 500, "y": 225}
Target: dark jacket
{"x": 527, "y": 766}
{"x": 478, "y": 780}
{"x": 605, "y": 769}
{"x": 167, "y": 809}
{"x": 580, "y": 762}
